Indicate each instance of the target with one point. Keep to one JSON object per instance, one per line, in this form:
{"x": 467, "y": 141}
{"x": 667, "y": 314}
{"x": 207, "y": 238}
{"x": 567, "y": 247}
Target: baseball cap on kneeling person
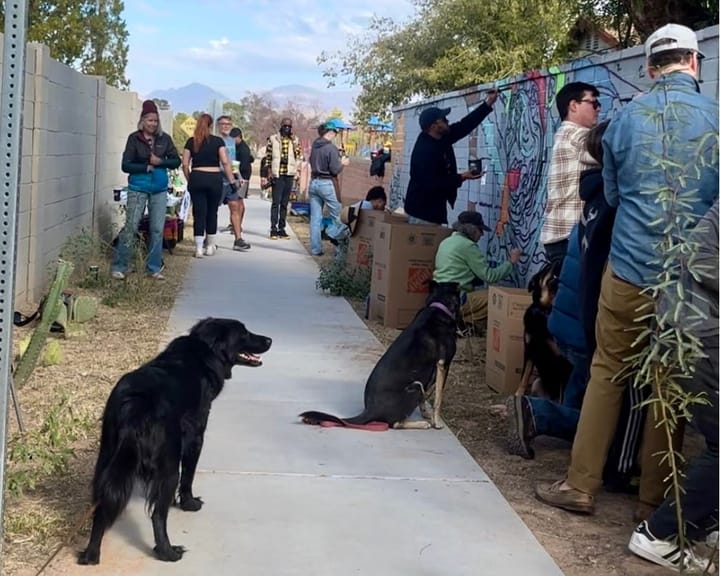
{"x": 672, "y": 37}
{"x": 474, "y": 218}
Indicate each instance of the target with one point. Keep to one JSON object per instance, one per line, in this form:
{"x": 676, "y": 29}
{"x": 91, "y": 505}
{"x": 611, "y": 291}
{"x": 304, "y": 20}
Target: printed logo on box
{"x": 496, "y": 338}
{"x": 417, "y": 279}
{"x": 364, "y": 254}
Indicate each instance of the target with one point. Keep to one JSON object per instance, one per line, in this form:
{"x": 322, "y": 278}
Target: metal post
{"x": 11, "y": 106}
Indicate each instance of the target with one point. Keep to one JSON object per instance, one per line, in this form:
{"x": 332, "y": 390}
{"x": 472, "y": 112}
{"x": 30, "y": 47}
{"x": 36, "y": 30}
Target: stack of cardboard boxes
{"x": 505, "y": 346}
{"x": 401, "y": 258}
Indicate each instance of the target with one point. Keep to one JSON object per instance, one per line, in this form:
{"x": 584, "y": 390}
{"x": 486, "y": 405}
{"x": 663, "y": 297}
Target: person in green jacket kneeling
{"x": 460, "y": 260}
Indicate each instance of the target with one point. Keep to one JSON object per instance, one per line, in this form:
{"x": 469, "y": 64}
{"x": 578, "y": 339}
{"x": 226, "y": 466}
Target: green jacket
{"x": 459, "y": 259}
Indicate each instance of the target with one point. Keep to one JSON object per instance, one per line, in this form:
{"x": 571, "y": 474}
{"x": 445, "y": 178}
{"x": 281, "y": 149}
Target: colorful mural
{"x": 515, "y": 144}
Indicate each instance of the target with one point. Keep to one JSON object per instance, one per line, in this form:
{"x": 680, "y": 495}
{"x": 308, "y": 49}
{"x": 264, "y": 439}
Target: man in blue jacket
{"x": 674, "y": 123}
{"x": 434, "y": 179}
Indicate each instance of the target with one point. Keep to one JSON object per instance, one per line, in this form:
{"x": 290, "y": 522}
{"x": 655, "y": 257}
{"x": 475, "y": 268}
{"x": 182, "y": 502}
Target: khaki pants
{"x": 475, "y": 310}
{"x": 615, "y": 331}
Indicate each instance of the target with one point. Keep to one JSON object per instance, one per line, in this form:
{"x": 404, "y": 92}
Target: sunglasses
{"x": 594, "y": 103}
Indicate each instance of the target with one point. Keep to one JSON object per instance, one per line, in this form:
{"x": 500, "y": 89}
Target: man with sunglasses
{"x": 579, "y": 107}
{"x": 283, "y": 159}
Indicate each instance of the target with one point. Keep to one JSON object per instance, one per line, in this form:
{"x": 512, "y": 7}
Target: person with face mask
{"x": 149, "y": 154}
{"x": 283, "y": 158}
{"x": 434, "y": 180}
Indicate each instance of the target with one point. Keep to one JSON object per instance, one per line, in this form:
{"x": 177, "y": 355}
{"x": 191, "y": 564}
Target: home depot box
{"x": 504, "y": 361}
{"x": 403, "y": 262}
{"x": 360, "y": 247}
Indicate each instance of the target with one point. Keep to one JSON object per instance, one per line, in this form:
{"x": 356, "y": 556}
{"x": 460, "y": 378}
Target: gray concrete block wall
{"x": 515, "y": 141}
{"x": 74, "y": 132}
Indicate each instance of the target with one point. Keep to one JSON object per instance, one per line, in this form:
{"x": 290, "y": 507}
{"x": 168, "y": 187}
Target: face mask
{"x": 285, "y": 130}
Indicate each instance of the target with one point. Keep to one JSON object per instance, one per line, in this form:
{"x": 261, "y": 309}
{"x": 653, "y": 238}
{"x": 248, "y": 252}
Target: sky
{"x": 235, "y": 46}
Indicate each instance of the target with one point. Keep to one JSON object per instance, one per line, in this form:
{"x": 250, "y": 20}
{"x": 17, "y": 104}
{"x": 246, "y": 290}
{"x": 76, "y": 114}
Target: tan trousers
{"x": 475, "y": 310}
{"x": 615, "y": 331}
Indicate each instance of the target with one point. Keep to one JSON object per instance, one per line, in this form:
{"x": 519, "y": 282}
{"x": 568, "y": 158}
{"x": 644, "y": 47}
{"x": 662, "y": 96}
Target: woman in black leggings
{"x": 206, "y": 153}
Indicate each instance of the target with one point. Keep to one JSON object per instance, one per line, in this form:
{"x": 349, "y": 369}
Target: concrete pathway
{"x": 283, "y": 498}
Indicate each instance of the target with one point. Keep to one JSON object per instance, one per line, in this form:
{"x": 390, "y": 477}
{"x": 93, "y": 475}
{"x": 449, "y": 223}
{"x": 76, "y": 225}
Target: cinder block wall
{"x": 74, "y": 132}
{"x": 515, "y": 141}
{"x": 355, "y": 180}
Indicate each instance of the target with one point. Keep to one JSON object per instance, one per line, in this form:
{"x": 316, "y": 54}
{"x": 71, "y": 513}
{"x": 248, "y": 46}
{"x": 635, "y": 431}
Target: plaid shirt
{"x": 285, "y": 143}
{"x": 569, "y": 159}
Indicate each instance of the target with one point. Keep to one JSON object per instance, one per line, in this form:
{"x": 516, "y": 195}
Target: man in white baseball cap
{"x": 673, "y": 121}
{"x": 672, "y": 37}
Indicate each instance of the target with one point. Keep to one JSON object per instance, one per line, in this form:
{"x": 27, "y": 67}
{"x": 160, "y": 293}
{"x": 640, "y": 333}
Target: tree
{"x": 237, "y": 113}
{"x": 161, "y": 103}
{"x": 179, "y": 135}
{"x": 449, "y": 45}
{"x": 106, "y": 51}
{"x": 89, "y": 35}
{"x": 452, "y": 44}
{"x": 335, "y": 114}
{"x": 632, "y": 21}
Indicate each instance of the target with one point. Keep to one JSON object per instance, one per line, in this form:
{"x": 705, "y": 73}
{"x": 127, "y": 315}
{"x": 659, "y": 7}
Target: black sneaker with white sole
{"x": 667, "y": 553}
{"x": 284, "y": 235}
{"x": 520, "y": 427}
{"x": 241, "y": 245}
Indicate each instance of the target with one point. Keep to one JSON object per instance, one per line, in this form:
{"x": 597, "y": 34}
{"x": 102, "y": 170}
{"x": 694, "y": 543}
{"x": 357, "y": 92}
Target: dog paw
{"x": 191, "y": 504}
{"x": 436, "y": 424}
{"x": 88, "y": 558}
{"x": 170, "y": 554}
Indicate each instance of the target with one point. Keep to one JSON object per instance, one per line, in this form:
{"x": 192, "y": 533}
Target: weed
{"x": 337, "y": 280}
{"x": 39, "y": 454}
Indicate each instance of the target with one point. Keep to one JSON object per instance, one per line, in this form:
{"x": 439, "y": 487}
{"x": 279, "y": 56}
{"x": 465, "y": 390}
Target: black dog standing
{"x": 154, "y": 423}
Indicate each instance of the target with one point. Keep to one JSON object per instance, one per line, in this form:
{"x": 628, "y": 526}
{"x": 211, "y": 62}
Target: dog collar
{"x": 441, "y": 306}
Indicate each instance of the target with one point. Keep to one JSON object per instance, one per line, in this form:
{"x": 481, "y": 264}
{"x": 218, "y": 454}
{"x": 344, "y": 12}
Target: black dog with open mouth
{"x": 154, "y": 423}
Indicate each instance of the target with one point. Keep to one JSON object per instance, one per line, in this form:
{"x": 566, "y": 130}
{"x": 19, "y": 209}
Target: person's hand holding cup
{"x": 492, "y": 96}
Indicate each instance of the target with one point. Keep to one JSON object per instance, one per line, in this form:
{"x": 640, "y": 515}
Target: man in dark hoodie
{"x": 325, "y": 166}
{"x": 434, "y": 179}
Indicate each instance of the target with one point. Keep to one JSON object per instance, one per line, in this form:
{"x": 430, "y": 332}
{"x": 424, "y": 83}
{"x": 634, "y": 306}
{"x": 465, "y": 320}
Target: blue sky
{"x": 236, "y": 46}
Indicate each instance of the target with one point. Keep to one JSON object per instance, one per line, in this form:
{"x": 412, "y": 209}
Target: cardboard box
{"x": 404, "y": 260}
{"x": 360, "y": 246}
{"x": 504, "y": 360}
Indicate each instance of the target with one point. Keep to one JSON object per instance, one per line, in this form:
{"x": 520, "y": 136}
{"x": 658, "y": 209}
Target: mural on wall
{"x": 515, "y": 145}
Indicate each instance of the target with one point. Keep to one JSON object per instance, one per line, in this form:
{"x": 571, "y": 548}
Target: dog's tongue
{"x": 250, "y": 357}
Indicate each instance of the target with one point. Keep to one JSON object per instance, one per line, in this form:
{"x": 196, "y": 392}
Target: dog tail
{"x": 114, "y": 473}
{"x": 317, "y": 418}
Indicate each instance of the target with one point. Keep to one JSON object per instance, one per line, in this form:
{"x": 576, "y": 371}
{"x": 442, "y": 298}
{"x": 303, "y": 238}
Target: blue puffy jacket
{"x": 564, "y": 322}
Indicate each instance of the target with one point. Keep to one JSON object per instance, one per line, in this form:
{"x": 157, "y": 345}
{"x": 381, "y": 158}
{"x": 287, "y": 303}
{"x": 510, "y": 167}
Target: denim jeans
{"x": 322, "y": 193}
{"x": 560, "y": 420}
{"x": 136, "y": 202}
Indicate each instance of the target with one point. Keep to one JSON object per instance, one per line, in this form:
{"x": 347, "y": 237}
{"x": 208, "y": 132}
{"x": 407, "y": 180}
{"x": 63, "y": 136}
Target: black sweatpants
{"x": 206, "y": 189}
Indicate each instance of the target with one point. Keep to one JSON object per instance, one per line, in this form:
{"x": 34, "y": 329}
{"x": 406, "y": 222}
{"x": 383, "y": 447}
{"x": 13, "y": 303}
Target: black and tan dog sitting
{"x": 414, "y": 366}
{"x": 541, "y": 354}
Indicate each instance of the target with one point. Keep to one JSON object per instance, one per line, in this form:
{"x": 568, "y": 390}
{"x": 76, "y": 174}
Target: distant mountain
{"x": 197, "y": 96}
{"x": 189, "y": 98}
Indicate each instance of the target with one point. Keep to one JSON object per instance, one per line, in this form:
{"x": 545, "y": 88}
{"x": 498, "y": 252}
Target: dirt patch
{"x": 582, "y": 546}
{"x": 95, "y": 354}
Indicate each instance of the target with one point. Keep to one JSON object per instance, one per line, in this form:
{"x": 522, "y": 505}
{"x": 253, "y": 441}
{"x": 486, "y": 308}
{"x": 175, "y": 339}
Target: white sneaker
{"x": 117, "y": 275}
{"x": 667, "y": 553}
{"x": 198, "y": 252}
{"x": 210, "y": 250}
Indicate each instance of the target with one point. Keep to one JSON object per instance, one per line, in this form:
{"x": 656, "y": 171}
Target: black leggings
{"x": 205, "y": 192}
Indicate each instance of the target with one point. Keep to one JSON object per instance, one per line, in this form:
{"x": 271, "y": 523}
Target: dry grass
{"x": 582, "y": 546}
{"x": 123, "y": 335}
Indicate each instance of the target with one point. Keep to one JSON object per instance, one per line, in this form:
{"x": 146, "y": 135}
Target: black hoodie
{"x": 596, "y": 227}
{"x": 324, "y": 158}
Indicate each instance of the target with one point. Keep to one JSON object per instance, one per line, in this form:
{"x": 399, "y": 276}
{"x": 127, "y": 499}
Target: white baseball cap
{"x": 672, "y": 37}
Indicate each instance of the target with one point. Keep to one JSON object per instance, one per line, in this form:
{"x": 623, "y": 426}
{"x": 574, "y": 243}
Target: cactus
{"x": 50, "y": 313}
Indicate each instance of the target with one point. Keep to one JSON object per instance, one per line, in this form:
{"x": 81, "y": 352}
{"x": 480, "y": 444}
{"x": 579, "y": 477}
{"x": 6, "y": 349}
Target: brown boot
{"x": 561, "y": 495}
